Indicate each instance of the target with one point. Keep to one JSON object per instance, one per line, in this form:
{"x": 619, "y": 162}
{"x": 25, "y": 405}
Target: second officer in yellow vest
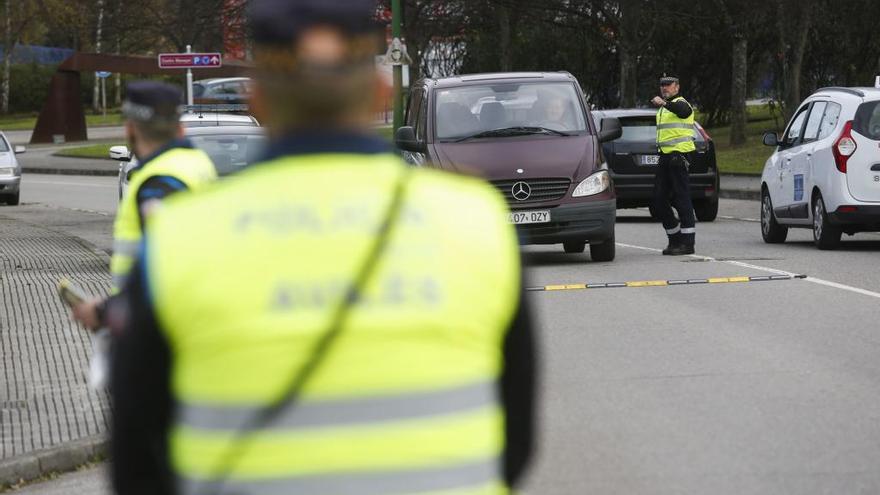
{"x": 167, "y": 163}
{"x": 675, "y": 141}
{"x": 329, "y": 321}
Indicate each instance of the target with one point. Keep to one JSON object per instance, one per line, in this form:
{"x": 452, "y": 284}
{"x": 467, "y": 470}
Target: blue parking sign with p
{"x": 196, "y": 60}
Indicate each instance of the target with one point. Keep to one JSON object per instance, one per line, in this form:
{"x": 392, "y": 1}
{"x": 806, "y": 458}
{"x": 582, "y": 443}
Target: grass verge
{"x": 29, "y": 121}
{"x": 748, "y": 158}
{"x": 97, "y": 151}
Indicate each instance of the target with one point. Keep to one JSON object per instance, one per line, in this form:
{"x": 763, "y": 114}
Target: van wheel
{"x": 771, "y": 231}
{"x": 825, "y": 235}
{"x": 574, "y": 247}
{"x": 12, "y": 199}
{"x": 604, "y": 251}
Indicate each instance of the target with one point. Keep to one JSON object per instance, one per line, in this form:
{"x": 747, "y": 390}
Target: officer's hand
{"x": 658, "y": 101}
{"x": 86, "y": 313}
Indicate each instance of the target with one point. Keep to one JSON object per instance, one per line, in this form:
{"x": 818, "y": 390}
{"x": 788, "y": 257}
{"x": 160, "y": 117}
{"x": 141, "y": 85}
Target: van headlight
{"x": 594, "y": 184}
{"x": 7, "y": 172}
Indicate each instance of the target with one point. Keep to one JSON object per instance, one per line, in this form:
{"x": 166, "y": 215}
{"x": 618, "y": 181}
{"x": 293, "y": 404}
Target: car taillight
{"x": 703, "y": 132}
{"x": 844, "y": 147}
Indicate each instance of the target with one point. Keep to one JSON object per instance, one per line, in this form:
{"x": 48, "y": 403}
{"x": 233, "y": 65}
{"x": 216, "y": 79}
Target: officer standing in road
{"x": 329, "y": 320}
{"x": 675, "y": 140}
{"x": 167, "y": 163}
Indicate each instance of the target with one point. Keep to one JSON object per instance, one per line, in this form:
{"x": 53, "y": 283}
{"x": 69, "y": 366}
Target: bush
{"x": 28, "y": 87}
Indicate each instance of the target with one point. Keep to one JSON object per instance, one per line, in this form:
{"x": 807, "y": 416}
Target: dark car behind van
{"x": 530, "y": 135}
{"x": 633, "y": 158}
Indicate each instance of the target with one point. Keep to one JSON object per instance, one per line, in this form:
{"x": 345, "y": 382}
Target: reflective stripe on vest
{"x": 407, "y": 397}
{"x": 191, "y": 166}
{"x": 348, "y": 411}
{"x": 481, "y": 474}
{"x": 673, "y": 133}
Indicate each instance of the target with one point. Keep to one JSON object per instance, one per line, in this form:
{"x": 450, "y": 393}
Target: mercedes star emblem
{"x": 521, "y": 191}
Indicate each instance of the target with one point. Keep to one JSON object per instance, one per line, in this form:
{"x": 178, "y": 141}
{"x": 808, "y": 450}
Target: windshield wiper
{"x": 512, "y": 131}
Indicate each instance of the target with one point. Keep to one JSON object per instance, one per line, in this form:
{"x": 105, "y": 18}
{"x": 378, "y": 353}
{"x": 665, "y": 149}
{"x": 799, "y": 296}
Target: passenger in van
{"x": 454, "y": 119}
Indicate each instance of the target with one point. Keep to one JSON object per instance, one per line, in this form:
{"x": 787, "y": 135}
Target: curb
{"x": 69, "y": 171}
{"x": 40, "y": 463}
{"x": 740, "y": 194}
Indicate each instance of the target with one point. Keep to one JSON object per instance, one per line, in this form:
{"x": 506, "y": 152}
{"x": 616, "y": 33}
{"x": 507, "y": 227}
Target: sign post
{"x": 190, "y": 61}
{"x": 189, "y": 80}
{"x": 103, "y": 75}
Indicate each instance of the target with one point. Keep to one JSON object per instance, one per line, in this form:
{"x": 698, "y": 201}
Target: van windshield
{"x": 469, "y": 110}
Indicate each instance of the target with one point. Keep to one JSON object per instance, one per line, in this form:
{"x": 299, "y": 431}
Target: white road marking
{"x": 775, "y": 271}
{"x": 75, "y": 184}
{"x": 754, "y": 220}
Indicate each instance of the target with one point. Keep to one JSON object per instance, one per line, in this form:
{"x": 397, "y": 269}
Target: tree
{"x": 19, "y": 24}
{"x": 794, "y": 19}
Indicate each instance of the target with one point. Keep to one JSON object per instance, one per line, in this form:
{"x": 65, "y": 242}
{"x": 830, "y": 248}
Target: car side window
{"x": 421, "y": 118}
{"x": 829, "y": 120}
{"x": 811, "y": 131}
{"x": 415, "y": 104}
{"x": 793, "y": 135}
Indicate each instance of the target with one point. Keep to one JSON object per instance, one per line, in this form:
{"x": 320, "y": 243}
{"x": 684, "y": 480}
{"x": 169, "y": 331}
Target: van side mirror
{"x": 405, "y": 139}
{"x": 120, "y": 153}
{"x": 19, "y": 149}
{"x": 771, "y": 139}
{"x": 611, "y": 130}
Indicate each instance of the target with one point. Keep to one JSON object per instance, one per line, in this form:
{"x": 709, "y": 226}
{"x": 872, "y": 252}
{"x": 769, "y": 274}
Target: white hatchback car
{"x": 825, "y": 172}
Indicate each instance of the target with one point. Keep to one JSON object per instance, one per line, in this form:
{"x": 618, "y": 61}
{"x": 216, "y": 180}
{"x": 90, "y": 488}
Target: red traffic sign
{"x": 190, "y": 60}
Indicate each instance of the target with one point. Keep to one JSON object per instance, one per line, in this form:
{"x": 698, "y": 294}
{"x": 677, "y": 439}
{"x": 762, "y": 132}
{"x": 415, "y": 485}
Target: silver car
{"x": 189, "y": 120}
{"x": 230, "y": 147}
{"x": 10, "y": 172}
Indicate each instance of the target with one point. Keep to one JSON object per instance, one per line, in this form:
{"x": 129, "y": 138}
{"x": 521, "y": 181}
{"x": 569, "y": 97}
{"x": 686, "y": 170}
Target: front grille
{"x": 541, "y": 190}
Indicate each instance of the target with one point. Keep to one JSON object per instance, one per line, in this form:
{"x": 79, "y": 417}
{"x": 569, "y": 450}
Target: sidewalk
{"x": 50, "y": 420}
{"x": 741, "y": 187}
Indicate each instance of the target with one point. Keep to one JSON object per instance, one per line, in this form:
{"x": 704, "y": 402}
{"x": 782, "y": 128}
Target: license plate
{"x": 649, "y": 160}
{"x": 524, "y": 217}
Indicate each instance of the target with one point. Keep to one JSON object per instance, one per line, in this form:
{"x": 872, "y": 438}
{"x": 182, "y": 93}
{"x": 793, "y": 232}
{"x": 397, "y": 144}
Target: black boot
{"x": 679, "y": 250}
{"x": 670, "y": 248}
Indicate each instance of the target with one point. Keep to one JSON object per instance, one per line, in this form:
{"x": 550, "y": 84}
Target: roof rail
{"x": 854, "y": 92}
{"x": 216, "y": 108}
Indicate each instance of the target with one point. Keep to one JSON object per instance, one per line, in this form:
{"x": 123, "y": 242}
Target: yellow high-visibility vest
{"x": 407, "y": 399}
{"x": 674, "y": 133}
{"x": 191, "y": 166}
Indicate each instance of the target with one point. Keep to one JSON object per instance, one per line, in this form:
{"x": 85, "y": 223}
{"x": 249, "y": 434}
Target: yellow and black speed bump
{"x": 665, "y": 283}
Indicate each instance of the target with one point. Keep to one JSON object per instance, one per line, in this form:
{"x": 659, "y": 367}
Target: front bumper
{"x": 9, "y": 184}
{"x": 591, "y": 221}
{"x": 864, "y": 218}
{"x": 635, "y": 190}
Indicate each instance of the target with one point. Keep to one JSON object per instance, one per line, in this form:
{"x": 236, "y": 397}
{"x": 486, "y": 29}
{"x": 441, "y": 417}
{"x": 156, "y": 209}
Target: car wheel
{"x": 706, "y": 209}
{"x": 574, "y": 247}
{"x": 604, "y": 251}
{"x": 12, "y": 199}
{"x": 825, "y": 235}
{"x": 771, "y": 231}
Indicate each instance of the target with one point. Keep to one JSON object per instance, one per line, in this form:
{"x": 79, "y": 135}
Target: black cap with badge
{"x": 668, "y": 80}
{"x": 151, "y": 101}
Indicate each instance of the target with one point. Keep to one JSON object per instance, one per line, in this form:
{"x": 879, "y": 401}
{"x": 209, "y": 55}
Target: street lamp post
{"x": 397, "y": 68}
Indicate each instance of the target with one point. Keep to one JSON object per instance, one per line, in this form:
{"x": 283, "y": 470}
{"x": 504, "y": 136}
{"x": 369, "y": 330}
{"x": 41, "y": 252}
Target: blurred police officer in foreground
{"x": 675, "y": 139}
{"x": 329, "y": 321}
{"x": 167, "y": 163}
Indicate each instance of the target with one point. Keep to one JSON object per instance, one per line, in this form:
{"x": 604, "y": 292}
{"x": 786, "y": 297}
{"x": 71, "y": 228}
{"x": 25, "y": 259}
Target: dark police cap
{"x": 152, "y": 101}
{"x": 281, "y": 21}
{"x": 668, "y": 80}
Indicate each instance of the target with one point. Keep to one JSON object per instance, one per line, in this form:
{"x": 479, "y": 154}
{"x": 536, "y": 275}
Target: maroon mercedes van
{"x": 530, "y": 135}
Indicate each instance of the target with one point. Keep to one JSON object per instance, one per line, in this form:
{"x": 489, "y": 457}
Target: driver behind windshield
{"x": 551, "y": 113}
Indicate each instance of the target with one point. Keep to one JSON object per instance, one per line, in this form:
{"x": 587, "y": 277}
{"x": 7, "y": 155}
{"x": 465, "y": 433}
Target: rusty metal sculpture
{"x": 63, "y": 115}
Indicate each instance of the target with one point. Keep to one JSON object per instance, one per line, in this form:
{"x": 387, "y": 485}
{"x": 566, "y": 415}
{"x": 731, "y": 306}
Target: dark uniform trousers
{"x": 672, "y": 189}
